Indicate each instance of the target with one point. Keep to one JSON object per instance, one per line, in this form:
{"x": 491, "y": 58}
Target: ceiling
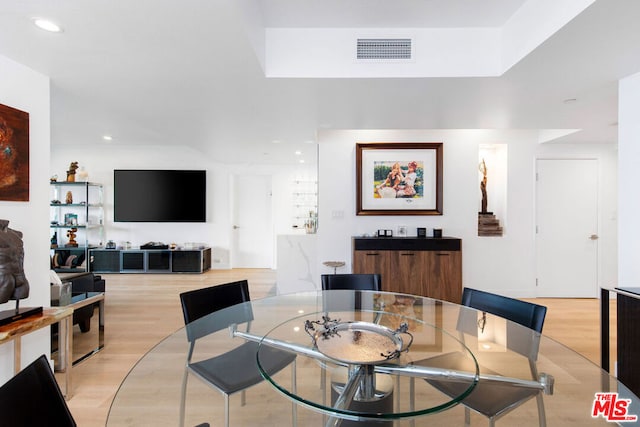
{"x": 167, "y": 72}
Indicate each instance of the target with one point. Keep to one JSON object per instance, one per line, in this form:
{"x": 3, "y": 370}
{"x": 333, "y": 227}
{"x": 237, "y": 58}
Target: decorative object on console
{"x": 421, "y": 232}
{"x": 402, "y": 231}
{"x": 110, "y": 244}
{"x": 14, "y": 154}
{"x": 437, "y": 233}
{"x": 399, "y": 178}
{"x": 71, "y": 173}
{"x": 69, "y": 198}
{"x": 13, "y": 282}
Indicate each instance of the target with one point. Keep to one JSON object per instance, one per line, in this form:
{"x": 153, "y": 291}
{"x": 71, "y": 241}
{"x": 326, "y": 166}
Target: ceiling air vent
{"x": 384, "y": 49}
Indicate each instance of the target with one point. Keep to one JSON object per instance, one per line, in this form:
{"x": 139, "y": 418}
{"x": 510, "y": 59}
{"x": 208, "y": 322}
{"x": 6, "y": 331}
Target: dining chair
{"x": 235, "y": 370}
{"x": 358, "y": 282}
{"x": 32, "y": 398}
{"x": 491, "y": 399}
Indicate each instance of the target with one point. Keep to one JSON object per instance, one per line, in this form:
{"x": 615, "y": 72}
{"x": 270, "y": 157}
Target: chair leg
{"x": 467, "y": 417}
{"x": 294, "y": 387}
{"x": 542, "y": 419}
{"x": 243, "y": 398}
{"x": 183, "y": 397}
{"x": 226, "y": 410}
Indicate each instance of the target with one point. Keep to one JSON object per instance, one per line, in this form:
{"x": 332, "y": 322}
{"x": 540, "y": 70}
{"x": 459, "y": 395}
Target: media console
{"x": 149, "y": 260}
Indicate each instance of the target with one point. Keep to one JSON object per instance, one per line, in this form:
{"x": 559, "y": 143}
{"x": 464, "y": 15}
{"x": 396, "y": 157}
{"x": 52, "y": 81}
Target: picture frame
{"x": 14, "y": 154}
{"x": 399, "y": 178}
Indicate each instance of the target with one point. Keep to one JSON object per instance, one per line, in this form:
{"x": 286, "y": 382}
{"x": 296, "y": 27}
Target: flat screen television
{"x": 159, "y": 195}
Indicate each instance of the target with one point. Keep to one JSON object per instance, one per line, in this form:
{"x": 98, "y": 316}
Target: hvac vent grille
{"x": 384, "y": 49}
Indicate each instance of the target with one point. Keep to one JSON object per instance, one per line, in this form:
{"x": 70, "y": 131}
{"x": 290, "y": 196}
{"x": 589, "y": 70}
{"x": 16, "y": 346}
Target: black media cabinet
{"x": 149, "y": 260}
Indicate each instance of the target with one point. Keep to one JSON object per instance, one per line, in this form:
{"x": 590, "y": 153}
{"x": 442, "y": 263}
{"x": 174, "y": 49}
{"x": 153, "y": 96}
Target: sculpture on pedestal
{"x": 483, "y": 185}
{"x": 13, "y": 282}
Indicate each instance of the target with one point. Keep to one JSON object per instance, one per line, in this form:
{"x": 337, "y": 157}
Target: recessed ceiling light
{"x": 107, "y": 138}
{"x": 298, "y": 153}
{"x": 301, "y": 160}
{"x": 45, "y": 24}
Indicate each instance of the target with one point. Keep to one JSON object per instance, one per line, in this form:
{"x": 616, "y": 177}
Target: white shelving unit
{"x": 84, "y": 216}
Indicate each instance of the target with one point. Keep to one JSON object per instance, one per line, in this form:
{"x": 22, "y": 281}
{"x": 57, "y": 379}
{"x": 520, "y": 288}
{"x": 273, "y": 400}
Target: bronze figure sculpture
{"x": 13, "y": 282}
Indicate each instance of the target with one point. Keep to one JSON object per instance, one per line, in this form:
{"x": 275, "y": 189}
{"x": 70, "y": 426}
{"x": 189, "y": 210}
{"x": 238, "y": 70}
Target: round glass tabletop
{"x": 363, "y": 347}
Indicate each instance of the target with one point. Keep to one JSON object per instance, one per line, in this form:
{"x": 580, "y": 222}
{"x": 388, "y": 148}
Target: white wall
{"x": 101, "y": 160}
{"x": 629, "y": 176}
{"x": 499, "y": 264}
{"x": 27, "y": 90}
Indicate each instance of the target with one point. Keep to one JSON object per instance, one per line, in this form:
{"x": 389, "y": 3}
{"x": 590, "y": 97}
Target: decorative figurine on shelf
{"x": 69, "y": 199}
{"x": 13, "y": 282}
{"x": 71, "y": 173}
{"x": 483, "y": 185}
{"x": 71, "y": 234}
{"x": 82, "y": 174}
{"x": 54, "y": 240}
{"x": 54, "y": 178}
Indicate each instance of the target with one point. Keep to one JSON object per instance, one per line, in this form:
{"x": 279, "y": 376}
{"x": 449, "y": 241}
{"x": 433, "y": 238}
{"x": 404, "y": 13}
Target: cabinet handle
{"x": 442, "y": 254}
{"x": 373, "y": 254}
{"x": 409, "y": 254}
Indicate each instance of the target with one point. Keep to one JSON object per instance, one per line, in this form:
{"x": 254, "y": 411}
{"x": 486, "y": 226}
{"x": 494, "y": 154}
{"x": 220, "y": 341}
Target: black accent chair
{"x": 491, "y": 399}
{"x": 235, "y": 370}
{"x": 358, "y": 282}
{"x": 32, "y": 398}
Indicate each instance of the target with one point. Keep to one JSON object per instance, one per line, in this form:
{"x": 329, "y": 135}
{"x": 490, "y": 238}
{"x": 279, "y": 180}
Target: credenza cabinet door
{"x": 444, "y": 278}
{"x": 408, "y": 272}
{"x": 372, "y": 262}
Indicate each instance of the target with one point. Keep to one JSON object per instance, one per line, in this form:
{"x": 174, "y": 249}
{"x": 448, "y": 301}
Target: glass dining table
{"x": 372, "y": 358}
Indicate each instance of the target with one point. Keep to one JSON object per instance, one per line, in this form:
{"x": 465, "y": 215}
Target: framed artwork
{"x": 399, "y": 178}
{"x": 14, "y": 154}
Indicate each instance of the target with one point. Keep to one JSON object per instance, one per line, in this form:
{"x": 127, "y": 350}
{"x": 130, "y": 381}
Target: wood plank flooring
{"x": 141, "y": 310}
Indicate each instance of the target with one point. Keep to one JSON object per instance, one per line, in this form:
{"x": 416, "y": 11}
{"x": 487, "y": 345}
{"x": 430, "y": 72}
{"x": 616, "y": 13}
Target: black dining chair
{"x": 32, "y": 398}
{"x": 493, "y": 399}
{"x": 235, "y": 370}
{"x": 358, "y": 282}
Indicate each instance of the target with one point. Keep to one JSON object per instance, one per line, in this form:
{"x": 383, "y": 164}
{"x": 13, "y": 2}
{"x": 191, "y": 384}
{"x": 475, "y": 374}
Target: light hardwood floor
{"x": 141, "y": 310}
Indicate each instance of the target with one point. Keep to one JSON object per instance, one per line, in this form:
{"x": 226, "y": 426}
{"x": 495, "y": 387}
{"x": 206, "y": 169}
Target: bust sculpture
{"x": 13, "y": 282}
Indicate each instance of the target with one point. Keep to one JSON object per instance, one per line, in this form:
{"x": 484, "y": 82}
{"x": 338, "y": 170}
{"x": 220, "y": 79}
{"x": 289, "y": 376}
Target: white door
{"x": 252, "y": 225}
{"x": 567, "y": 228}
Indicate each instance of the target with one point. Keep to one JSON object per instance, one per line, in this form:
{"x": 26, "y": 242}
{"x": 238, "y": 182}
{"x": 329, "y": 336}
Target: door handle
{"x": 594, "y": 237}
{"x": 235, "y": 227}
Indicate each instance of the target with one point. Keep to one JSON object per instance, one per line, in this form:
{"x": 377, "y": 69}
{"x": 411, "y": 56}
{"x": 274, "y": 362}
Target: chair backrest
{"x": 199, "y": 303}
{"x": 359, "y": 282}
{"x": 32, "y": 398}
{"x": 523, "y": 335}
{"x": 525, "y": 313}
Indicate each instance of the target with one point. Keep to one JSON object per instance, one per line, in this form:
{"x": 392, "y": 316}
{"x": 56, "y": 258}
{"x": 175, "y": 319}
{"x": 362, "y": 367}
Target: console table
{"x": 425, "y": 266}
{"x": 150, "y": 260}
{"x": 61, "y": 315}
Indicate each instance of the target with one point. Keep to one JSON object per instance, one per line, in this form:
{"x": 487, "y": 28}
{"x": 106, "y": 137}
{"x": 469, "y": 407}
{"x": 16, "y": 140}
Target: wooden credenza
{"x": 430, "y": 267}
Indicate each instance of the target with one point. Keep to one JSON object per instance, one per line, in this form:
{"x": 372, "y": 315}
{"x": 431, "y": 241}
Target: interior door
{"x": 252, "y": 224}
{"x": 567, "y": 228}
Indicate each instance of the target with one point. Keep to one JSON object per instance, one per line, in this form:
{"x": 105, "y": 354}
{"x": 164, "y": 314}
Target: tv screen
{"x": 159, "y": 195}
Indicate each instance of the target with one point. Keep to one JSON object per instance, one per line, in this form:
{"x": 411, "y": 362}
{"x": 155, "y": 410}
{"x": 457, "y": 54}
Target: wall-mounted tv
{"x": 159, "y": 195}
